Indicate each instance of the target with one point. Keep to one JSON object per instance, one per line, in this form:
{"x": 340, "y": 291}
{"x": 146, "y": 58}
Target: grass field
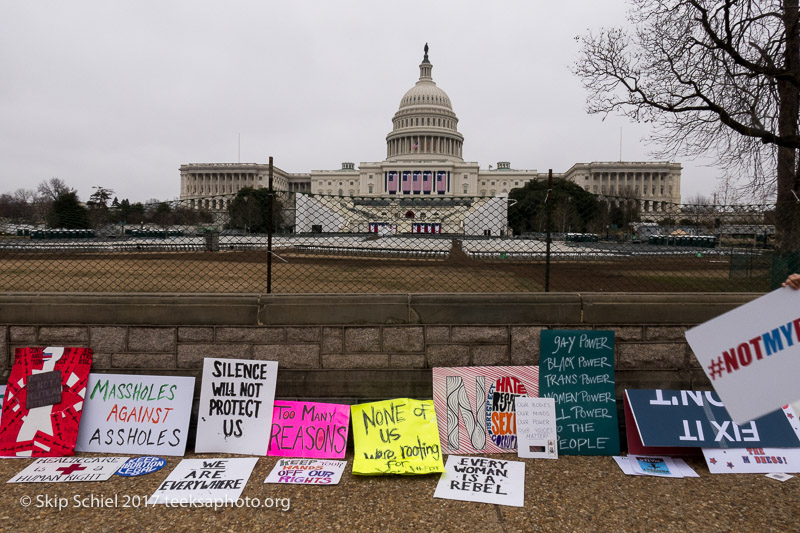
{"x": 292, "y": 272}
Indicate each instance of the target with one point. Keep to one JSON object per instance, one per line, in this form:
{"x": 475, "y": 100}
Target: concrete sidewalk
{"x": 568, "y": 494}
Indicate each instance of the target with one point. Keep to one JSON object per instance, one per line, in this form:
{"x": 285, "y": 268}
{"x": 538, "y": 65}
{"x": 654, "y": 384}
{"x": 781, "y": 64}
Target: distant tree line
{"x": 56, "y": 205}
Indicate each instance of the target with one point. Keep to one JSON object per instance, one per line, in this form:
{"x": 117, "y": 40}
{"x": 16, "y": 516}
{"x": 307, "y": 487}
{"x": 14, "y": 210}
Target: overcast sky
{"x": 119, "y": 94}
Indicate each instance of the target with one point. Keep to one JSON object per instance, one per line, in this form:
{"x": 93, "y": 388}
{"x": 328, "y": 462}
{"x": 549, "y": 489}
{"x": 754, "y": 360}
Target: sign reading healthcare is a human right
{"x": 752, "y": 354}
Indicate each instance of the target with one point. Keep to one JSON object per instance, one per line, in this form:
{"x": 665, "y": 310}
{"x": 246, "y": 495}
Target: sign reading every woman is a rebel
{"x": 236, "y": 399}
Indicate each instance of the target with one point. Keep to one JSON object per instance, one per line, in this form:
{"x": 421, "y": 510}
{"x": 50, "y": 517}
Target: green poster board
{"x": 576, "y": 368}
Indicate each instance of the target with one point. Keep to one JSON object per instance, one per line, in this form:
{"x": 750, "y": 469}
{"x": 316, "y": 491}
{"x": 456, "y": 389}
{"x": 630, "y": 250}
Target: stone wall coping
{"x": 367, "y": 309}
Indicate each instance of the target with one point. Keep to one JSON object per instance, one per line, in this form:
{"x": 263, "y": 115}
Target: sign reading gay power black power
{"x": 576, "y": 368}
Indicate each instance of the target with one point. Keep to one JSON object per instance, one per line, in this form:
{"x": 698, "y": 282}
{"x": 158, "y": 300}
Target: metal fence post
{"x": 270, "y": 229}
{"x": 547, "y": 223}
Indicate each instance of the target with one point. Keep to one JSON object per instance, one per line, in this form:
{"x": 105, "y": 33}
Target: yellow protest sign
{"x": 396, "y": 437}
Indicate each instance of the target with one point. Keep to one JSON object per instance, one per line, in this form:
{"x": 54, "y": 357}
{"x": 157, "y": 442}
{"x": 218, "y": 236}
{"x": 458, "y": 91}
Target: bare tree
{"x": 51, "y": 189}
{"x": 713, "y": 76}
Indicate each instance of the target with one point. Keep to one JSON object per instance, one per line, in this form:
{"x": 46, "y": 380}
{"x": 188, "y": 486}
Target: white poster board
{"x": 752, "y": 354}
{"x": 752, "y": 460}
{"x": 66, "y": 469}
{"x": 197, "y": 482}
{"x": 679, "y": 467}
{"x": 236, "y": 400}
{"x": 537, "y": 433}
{"x": 307, "y": 472}
{"x": 478, "y": 479}
{"x": 126, "y": 413}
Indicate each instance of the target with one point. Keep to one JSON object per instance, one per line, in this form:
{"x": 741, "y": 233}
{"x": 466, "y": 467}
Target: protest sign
{"x": 306, "y": 472}
{"x": 204, "y": 481}
{"x": 679, "y": 467}
{"x": 649, "y": 465}
{"x": 536, "y": 428}
{"x": 699, "y": 419}
{"x": 235, "y": 412}
{"x": 396, "y": 437}
{"x": 126, "y": 413}
{"x": 67, "y": 469}
{"x": 752, "y": 354}
{"x": 44, "y": 400}
{"x": 308, "y": 429}
{"x": 140, "y": 466}
{"x": 478, "y": 479}
{"x": 635, "y": 445}
{"x": 475, "y": 406}
{"x": 576, "y": 368}
{"x": 752, "y": 460}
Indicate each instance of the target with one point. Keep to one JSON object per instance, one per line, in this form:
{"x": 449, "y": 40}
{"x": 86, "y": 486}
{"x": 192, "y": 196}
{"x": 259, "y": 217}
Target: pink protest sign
{"x": 309, "y": 429}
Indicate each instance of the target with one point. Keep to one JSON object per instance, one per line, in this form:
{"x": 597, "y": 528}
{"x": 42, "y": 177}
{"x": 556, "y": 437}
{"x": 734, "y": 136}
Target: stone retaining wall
{"x": 353, "y": 348}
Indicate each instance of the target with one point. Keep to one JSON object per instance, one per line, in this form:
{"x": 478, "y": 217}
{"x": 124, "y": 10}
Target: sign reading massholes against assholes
{"x": 396, "y": 437}
{"x": 576, "y": 368}
{"x": 127, "y": 413}
{"x": 235, "y": 410}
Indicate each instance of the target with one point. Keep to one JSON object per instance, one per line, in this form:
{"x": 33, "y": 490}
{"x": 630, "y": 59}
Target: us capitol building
{"x": 424, "y": 184}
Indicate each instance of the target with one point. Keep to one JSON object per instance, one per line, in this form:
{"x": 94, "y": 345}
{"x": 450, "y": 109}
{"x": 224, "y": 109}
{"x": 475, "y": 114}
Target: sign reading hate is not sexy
{"x": 235, "y": 410}
{"x": 126, "y": 413}
{"x": 308, "y": 429}
{"x": 396, "y": 437}
{"x": 475, "y": 406}
{"x": 577, "y": 370}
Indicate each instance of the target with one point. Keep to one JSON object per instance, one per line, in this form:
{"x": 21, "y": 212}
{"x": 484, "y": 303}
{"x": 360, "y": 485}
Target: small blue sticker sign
{"x": 139, "y": 466}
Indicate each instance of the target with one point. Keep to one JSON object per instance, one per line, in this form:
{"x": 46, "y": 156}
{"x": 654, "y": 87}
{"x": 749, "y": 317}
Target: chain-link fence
{"x": 535, "y": 239}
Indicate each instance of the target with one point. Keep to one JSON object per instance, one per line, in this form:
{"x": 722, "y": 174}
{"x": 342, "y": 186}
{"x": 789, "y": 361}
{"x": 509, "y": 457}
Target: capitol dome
{"x": 425, "y": 126}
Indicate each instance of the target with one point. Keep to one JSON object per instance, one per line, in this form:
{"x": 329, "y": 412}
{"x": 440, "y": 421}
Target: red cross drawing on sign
{"x": 67, "y": 470}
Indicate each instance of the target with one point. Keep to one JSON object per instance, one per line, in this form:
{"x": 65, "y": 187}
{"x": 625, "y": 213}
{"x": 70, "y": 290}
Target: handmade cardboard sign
{"x": 475, "y": 406}
{"x": 752, "y": 460}
{"x": 43, "y": 402}
{"x": 699, "y": 419}
{"x": 752, "y": 354}
{"x": 536, "y": 428}
{"x": 308, "y": 429}
{"x": 140, "y": 466}
{"x": 235, "y": 410}
{"x": 126, "y": 413}
{"x": 66, "y": 469}
{"x": 306, "y": 472}
{"x": 576, "y": 368}
{"x": 478, "y": 479}
{"x": 197, "y": 482}
{"x": 396, "y": 437}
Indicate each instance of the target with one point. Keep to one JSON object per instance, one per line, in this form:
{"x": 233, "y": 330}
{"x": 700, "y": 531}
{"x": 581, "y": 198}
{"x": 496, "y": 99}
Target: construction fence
{"x": 262, "y": 241}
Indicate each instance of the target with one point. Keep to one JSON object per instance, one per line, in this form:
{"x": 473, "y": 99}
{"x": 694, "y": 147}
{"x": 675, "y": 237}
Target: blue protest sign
{"x": 699, "y": 419}
{"x": 139, "y": 466}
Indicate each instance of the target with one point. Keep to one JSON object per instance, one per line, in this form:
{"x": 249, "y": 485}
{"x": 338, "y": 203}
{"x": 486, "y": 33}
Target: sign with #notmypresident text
{"x": 752, "y": 354}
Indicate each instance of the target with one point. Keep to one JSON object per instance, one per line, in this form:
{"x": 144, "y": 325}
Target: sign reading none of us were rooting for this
{"x": 576, "y": 368}
{"x": 236, "y": 400}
